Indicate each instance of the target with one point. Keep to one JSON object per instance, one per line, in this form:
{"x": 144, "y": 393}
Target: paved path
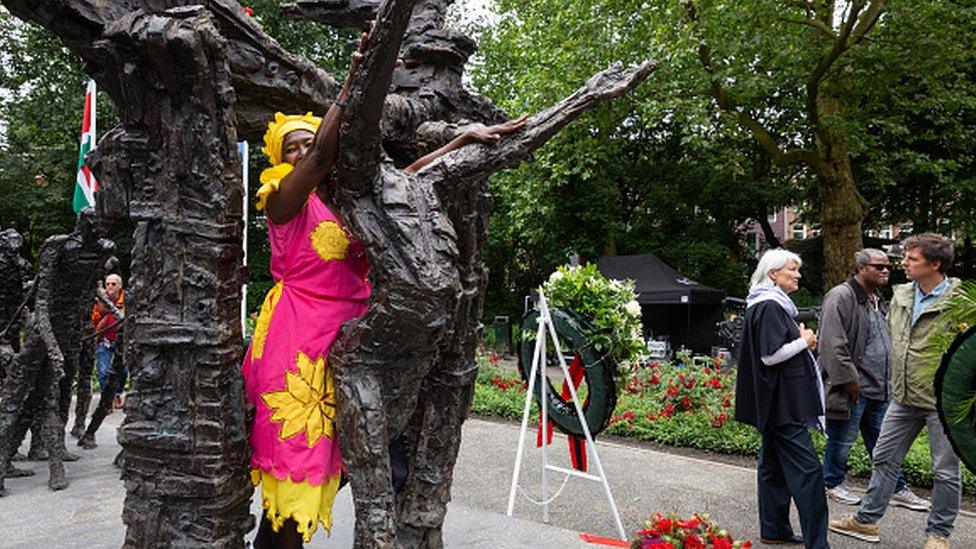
{"x": 643, "y": 480}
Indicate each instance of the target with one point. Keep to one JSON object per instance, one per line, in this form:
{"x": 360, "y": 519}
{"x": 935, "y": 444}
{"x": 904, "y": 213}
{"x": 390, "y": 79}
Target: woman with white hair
{"x": 777, "y": 392}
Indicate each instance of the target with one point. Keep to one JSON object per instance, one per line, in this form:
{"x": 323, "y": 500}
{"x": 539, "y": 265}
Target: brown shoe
{"x": 936, "y": 542}
{"x": 850, "y": 527}
{"x": 117, "y": 403}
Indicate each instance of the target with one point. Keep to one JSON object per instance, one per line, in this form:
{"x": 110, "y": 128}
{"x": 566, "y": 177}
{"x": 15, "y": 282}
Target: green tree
{"x": 42, "y": 88}
{"x": 790, "y": 75}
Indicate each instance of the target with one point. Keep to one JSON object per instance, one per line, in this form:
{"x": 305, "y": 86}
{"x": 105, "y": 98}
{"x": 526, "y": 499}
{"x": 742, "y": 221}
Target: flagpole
{"x": 94, "y": 116}
{"x": 243, "y": 149}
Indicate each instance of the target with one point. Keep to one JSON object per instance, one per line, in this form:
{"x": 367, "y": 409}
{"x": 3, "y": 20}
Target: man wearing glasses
{"x": 107, "y": 328}
{"x": 915, "y": 314}
{"x": 855, "y": 356}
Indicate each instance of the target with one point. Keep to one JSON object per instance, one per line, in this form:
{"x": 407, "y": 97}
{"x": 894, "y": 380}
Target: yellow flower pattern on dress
{"x": 264, "y": 320}
{"x": 308, "y": 402}
{"x": 330, "y": 241}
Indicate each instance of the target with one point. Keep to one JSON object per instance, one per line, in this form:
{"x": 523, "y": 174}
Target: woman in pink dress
{"x": 321, "y": 281}
{"x": 320, "y": 274}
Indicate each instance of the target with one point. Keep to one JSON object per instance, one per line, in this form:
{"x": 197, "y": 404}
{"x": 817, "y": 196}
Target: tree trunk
{"x": 769, "y": 234}
{"x": 842, "y": 208}
{"x": 841, "y": 216}
{"x": 174, "y": 158}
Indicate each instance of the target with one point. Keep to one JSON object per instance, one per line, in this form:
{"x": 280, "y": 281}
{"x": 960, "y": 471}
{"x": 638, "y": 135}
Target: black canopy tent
{"x": 671, "y": 304}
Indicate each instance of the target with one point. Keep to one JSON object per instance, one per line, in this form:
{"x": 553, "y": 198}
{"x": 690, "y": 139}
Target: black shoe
{"x": 792, "y": 540}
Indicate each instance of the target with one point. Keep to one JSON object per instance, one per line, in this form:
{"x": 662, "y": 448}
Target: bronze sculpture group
{"x": 190, "y": 80}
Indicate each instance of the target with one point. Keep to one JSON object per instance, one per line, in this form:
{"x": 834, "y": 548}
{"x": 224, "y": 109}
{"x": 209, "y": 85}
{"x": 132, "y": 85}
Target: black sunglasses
{"x": 879, "y": 266}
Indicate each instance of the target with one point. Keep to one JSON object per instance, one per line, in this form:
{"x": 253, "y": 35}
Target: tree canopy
{"x": 668, "y": 170}
{"x": 818, "y": 104}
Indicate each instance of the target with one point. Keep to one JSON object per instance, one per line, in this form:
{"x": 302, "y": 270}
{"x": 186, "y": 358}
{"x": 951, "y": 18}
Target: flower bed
{"x": 683, "y": 406}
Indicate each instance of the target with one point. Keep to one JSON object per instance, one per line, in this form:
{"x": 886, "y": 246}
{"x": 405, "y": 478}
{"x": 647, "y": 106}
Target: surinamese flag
{"x": 85, "y": 184}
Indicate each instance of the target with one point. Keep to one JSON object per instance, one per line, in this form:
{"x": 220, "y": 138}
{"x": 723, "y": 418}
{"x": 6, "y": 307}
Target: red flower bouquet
{"x": 699, "y": 532}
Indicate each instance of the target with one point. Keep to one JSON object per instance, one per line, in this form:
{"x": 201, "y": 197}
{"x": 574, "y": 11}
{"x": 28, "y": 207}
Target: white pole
{"x": 586, "y": 428}
{"x": 540, "y": 333}
{"x": 94, "y": 115}
{"x": 242, "y": 148}
{"x": 544, "y": 320}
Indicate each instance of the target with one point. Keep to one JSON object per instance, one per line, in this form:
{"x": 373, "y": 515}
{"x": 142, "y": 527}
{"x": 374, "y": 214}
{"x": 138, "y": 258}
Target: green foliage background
{"x": 664, "y": 170}
{"x": 661, "y": 170}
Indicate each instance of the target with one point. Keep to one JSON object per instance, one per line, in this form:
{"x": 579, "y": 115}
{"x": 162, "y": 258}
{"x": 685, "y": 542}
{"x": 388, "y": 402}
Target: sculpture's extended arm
{"x": 359, "y": 156}
{"x": 266, "y": 78}
{"x": 487, "y": 159}
{"x": 475, "y": 134}
{"x": 336, "y": 13}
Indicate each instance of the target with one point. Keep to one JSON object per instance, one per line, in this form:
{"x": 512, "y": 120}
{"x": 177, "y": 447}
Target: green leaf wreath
{"x": 610, "y": 306}
{"x": 959, "y": 314}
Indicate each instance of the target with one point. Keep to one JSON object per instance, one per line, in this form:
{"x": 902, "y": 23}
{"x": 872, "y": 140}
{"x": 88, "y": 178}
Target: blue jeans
{"x": 866, "y": 417}
{"x": 902, "y": 423}
{"x": 104, "y": 351}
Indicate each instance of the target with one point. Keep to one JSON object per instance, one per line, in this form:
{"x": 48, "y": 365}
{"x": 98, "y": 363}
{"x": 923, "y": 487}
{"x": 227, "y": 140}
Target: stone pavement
{"x": 643, "y": 480}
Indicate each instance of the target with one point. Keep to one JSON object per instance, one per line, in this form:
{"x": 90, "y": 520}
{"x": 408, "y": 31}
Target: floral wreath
{"x": 610, "y": 306}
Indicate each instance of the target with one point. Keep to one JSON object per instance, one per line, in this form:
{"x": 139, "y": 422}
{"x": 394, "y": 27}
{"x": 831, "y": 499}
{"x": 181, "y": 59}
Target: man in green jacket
{"x": 914, "y": 315}
{"x": 855, "y": 360}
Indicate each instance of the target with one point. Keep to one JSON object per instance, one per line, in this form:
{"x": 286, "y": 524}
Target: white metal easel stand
{"x": 538, "y": 368}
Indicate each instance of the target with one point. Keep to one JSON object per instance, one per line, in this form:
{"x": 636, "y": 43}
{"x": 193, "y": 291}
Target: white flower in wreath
{"x": 555, "y": 277}
{"x": 633, "y": 308}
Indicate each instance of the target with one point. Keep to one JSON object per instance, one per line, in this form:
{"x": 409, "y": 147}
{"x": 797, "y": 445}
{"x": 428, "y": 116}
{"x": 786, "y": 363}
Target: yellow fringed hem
{"x": 306, "y": 504}
{"x": 270, "y": 180}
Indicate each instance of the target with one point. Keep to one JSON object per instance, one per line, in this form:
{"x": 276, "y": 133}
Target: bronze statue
{"x": 38, "y": 387}
{"x": 189, "y": 81}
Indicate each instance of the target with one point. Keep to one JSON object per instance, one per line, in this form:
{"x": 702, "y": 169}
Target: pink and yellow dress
{"x": 321, "y": 281}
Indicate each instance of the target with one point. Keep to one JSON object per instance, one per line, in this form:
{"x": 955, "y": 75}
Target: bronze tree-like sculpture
{"x": 14, "y": 274}
{"x": 410, "y": 358}
{"x": 191, "y": 80}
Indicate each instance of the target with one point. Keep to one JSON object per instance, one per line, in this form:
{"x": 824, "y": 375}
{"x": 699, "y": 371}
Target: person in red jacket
{"x": 107, "y": 326}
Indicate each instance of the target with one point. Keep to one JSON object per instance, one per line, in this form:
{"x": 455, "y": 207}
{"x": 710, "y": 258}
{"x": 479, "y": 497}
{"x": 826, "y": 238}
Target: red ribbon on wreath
{"x": 577, "y": 445}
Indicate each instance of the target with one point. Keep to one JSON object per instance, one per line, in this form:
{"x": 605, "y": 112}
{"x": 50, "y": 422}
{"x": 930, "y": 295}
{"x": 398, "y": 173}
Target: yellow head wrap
{"x": 282, "y": 125}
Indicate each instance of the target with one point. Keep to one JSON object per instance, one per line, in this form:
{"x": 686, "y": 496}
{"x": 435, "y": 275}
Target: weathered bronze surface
{"x": 191, "y": 80}
{"x": 37, "y": 389}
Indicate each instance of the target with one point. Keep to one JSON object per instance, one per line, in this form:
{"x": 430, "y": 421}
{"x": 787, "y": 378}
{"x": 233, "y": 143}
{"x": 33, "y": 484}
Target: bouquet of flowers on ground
{"x": 610, "y": 306}
{"x": 698, "y": 532}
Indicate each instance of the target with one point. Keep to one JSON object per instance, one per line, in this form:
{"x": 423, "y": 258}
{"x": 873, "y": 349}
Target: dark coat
{"x": 844, "y": 325}
{"x": 769, "y": 396}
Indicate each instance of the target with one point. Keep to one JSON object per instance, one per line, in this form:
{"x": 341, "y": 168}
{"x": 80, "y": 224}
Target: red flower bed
{"x": 708, "y": 390}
